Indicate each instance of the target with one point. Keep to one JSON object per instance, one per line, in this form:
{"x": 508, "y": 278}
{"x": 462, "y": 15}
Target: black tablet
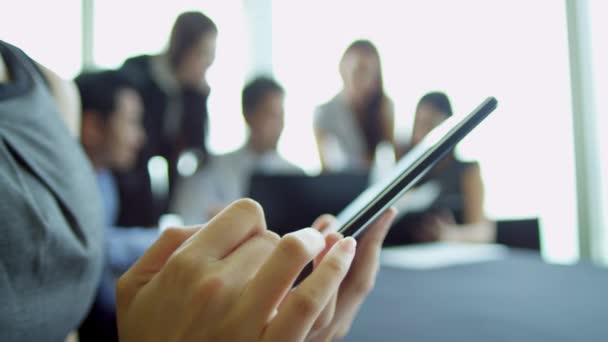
{"x": 357, "y": 216}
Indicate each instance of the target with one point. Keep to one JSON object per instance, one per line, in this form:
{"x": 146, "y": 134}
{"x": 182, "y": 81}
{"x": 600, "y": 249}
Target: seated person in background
{"x": 457, "y": 213}
{"x": 112, "y": 135}
{"x": 350, "y": 126}
{"x": 226, "y": 177}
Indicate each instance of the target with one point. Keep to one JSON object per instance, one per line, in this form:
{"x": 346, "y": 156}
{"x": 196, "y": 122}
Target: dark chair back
{"x": 519, "y": 233}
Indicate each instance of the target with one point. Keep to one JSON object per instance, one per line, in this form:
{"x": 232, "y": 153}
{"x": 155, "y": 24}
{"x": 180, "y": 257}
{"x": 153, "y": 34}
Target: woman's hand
{"x": 231, "y": 281}
{"x": 336, "y": 319}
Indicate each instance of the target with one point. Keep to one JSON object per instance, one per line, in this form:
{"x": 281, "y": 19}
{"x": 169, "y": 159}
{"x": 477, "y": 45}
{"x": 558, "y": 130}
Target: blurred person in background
{"x": 349, "y": 127}
{"x": 174, "y": 90}
{"x": 457, "y": 212}
{"x": 112, "y": 135}
{"x": 226, "y": 177}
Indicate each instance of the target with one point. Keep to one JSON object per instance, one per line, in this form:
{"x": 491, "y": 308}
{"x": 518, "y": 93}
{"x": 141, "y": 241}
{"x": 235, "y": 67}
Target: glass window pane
{"x": 49, "y": 33}
{"x": 525, "y": 149}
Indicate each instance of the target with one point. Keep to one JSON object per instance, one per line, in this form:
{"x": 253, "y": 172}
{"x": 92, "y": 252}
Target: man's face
{"x": 266, "y": 121}
{"x": 124, "y": 134}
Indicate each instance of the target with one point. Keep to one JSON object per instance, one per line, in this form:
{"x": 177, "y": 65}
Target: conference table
{"x": 517, "y": 297}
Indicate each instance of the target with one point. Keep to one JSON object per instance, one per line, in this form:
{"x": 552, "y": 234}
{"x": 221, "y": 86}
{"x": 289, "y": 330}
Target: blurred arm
{"x": 476, "y": 227}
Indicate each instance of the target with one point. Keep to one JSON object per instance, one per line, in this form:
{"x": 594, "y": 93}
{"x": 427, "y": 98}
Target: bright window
{"x": 469, "y": 49}
{"x": 49, "y": 33}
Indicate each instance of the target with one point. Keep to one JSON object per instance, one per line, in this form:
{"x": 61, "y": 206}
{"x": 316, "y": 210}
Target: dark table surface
{"x": 519, "y": 298}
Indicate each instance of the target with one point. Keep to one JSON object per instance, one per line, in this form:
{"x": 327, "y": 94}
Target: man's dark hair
{"x": 255, "y": 91}
{"x": 99, "y": 90}
{"x": 439, "y": 101}
{"x": 188, "y": 29}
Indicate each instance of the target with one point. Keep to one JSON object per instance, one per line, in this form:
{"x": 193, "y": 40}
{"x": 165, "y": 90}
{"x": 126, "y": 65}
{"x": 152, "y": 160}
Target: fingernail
{"x": 392, "y": 214}
{"x": 336, "y": 235}
{"x": 348, "y": 245}
{"x": 312, "y": 238}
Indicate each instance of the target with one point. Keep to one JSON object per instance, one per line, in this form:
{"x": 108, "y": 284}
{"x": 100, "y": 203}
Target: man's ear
{"x": 92, "y": 129}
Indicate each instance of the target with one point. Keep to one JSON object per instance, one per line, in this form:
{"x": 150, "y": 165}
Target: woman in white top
{"x": 349, "y": 127}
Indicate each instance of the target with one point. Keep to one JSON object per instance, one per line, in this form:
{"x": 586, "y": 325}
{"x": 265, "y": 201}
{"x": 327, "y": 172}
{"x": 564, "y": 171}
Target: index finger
{"x": 151, "y": 262}
{"x": 233, "y": 226}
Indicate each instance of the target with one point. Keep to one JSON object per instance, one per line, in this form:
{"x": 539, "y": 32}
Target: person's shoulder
{"x": 227, "y": 157}
{"x": 467, "y": 166}
{"x": 331, "y": 105}
{"x": 138, "y": 61}
{"x": 138, "y": 68}
{"x": 388, "y": 100}
{"x": 328, "y": 110}
{"x": 468, "y": 163}
{"x": 290, "y": 168}
{"x": 388, "y": 106}
{"x": 473, "y": 166}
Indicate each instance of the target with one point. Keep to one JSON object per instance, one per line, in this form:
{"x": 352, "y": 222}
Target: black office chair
{"x": 519, "y": 233}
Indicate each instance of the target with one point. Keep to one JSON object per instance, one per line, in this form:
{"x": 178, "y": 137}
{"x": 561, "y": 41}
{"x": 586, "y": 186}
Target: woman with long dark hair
{"x": 174, "y": 90}
{"x": 457, "y": 214}
{"x": 360, "y": 117}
